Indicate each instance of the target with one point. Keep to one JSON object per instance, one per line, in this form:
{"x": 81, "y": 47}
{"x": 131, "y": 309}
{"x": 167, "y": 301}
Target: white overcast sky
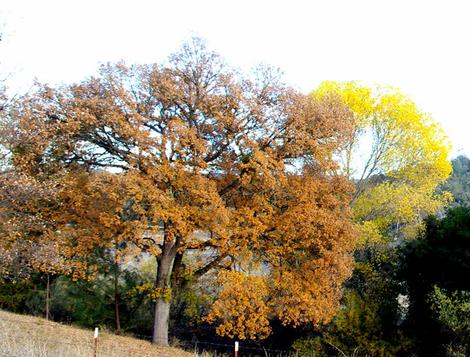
{"x": 421, "y": 47}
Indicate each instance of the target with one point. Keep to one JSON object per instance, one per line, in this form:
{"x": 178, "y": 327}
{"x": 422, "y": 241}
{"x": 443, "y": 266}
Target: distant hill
{"x": 459, "y": 182}
{"x": 27, "y": 336}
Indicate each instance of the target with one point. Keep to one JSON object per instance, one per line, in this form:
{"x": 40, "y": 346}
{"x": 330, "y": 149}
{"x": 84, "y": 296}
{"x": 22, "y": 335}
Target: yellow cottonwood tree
{"x": 397, "y": 157}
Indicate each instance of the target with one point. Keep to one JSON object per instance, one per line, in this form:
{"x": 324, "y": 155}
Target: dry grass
{"x": 26, "y": 336}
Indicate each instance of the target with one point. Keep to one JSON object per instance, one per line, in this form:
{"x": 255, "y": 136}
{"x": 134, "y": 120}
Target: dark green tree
{"x": 439, "y": 258}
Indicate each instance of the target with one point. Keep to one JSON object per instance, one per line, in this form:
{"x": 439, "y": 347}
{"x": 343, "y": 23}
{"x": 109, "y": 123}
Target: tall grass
{"x": 26, "y": 336}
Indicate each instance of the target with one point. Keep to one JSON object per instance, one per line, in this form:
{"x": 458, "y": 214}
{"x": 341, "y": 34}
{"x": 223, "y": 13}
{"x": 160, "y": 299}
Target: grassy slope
{"x": 28, "y": 336}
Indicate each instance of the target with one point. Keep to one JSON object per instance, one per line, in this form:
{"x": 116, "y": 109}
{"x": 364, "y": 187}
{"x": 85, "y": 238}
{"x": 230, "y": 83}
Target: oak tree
{"x": 193, "y": 158}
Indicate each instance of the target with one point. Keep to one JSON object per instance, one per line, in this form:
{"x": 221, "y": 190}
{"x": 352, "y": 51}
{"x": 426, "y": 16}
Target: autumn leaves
{"x": 167, "y": 151}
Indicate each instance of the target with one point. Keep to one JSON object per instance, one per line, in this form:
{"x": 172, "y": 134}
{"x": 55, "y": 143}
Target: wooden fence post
{"x": 95, "y": 338}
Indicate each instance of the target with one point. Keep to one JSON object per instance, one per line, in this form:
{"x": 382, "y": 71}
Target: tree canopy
{"x": 397, "y": 157}
{"x": 191, "y": 157}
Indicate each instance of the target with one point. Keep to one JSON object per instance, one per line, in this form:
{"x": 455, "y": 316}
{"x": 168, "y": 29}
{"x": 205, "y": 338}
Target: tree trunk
{"x": 48, "y": 288}
{"x": 175, "y": 275}
{"x": 163, "y": 282}
{"x": 160, "y": 327}
{"x": 116, "y": 290}
{"x": 116, "y": 301}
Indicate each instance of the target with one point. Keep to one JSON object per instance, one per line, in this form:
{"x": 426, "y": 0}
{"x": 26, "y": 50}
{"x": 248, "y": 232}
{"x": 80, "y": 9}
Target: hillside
{"x": 28, "y": 336}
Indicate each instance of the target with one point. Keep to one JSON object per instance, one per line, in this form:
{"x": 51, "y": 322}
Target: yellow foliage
{"x": 397, "y": 157}
{"x": 370, "y": 233}
{"x": 152, "y": 292}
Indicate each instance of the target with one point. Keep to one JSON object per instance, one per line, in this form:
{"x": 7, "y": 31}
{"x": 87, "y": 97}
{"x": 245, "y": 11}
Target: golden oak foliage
{"x": 397, "y": 157}
{"x": 25, "y": 227}
{"x": 192, "y": 158}
{"x": 242, "y": 306}
{"x": 303, "y": 257}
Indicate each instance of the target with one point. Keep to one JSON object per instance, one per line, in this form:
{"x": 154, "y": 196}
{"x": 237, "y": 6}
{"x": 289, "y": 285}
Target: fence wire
{"x": 194, "y": 345}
